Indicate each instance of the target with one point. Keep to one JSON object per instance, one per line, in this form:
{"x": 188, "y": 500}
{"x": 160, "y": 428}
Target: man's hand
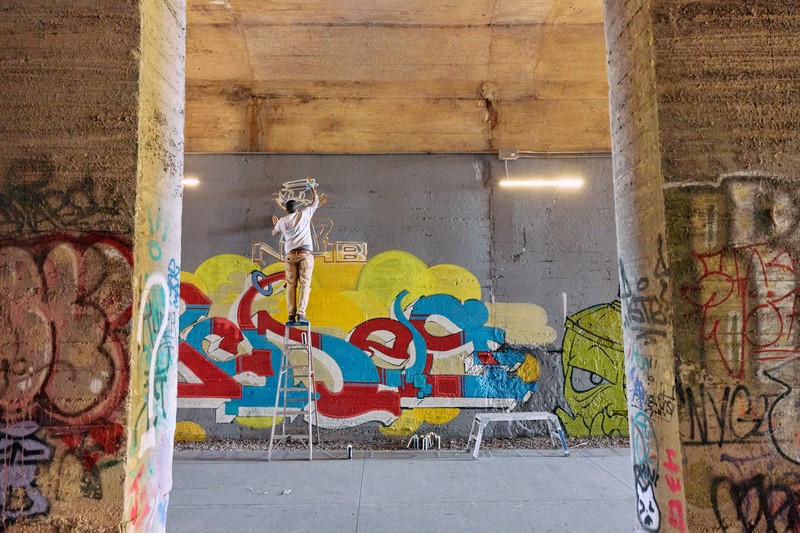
{"x": 274, "y": 220}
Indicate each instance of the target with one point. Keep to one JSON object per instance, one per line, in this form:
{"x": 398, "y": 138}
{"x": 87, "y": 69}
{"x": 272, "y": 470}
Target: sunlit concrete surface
{"x": 396, "y": 491}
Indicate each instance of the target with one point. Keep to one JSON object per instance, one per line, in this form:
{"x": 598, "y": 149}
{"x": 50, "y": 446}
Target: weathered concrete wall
{"x": 69, "y": 149}
{"x": 481, "y": 272}
{"x": 706, "y": 161}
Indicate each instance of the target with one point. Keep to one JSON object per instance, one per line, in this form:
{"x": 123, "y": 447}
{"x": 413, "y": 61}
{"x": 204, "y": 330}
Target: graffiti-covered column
{"x": 156, "y": 252}
{"x": 706, "y": 162}
{"x": 90, "y": 167}
{"x": 645, "y": 276}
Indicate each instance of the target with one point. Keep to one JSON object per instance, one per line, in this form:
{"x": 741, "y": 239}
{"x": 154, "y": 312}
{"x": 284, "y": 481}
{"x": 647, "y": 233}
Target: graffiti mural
{"x": 395, "y": 342}
{"x": 594, "y": 373}
{"x": 64, "y": 310}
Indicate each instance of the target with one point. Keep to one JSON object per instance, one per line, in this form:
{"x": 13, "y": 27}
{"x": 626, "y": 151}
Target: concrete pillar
{"x": 706, "y": 161}
{"x": 91, "y": 157}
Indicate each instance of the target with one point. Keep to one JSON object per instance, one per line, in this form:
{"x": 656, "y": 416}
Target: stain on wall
{"x": 403, "y": 341}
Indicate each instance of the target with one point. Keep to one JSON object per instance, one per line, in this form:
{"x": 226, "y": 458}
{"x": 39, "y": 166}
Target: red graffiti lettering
{"x": 213, "y": 382}
{"x": 257, "y": 362}
{"x": 673, "y": 483}
{"x": 669, "y": 464}
{"x": 395, "y": 339}
{"x": 676, "y": 515}
{"x": 355, "y": 400}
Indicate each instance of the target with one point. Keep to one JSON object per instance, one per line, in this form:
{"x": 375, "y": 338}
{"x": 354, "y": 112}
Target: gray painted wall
{"x": 523, "y": 245}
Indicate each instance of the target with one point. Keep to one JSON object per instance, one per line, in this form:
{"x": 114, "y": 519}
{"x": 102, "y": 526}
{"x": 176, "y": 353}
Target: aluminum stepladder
{"x": 297, "y": 392}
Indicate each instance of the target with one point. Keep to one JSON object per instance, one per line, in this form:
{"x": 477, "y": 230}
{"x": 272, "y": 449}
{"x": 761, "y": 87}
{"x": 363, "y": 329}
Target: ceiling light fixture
{"x": 191, "y": 182}
{"x": 511, "y": 154}
{"x": 538, "y": 183}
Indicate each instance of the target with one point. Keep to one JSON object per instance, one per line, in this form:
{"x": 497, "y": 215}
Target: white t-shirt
{"x": 296, "y": 228}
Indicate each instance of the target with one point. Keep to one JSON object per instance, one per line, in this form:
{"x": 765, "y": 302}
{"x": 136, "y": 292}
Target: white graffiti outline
{"x": 148, "y": 439}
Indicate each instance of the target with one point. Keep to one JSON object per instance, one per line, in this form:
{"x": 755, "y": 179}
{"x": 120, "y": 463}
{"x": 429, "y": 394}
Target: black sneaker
{"x": 301, "y": 319}
{"x": 291, "y": 319}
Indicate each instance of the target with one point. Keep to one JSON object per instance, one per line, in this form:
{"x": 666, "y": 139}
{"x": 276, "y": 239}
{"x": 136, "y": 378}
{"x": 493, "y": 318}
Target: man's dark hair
{"x": 291, "y": 206}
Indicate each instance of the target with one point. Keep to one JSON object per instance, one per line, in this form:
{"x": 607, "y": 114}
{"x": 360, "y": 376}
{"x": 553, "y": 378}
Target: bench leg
{"x": 472, "y": 433}
{"x": 478, "y": 440}
{"x": 560, "y": 433}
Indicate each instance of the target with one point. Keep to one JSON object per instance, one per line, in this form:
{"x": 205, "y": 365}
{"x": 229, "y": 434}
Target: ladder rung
{"x": 296, "y": 393}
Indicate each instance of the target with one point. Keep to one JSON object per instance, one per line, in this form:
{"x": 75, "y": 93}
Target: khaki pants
{"x": 298, "y": 266}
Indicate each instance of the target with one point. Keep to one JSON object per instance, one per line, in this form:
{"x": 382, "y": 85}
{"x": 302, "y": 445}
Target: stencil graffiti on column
{"x": 594, "y": 373}
{"x": 63, "y": 313}
{"x": 29, "y": 200}
{"x": 644, "y": 449}
{"x": 399, "y": 343}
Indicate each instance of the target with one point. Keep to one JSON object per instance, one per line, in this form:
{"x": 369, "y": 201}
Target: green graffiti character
{"x": 594, "y": 373}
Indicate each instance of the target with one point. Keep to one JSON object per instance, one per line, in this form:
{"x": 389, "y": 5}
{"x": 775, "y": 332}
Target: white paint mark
{"x": 96, "y": 386}
{"x": 156, "y": 278}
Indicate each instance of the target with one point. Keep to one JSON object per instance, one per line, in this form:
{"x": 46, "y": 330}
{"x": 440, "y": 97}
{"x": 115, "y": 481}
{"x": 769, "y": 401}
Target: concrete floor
{"x": 505, "y": 491}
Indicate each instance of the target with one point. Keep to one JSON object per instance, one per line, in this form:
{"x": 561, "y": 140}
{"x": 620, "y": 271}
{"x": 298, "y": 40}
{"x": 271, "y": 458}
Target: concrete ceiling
{"x": 370, "y": 76}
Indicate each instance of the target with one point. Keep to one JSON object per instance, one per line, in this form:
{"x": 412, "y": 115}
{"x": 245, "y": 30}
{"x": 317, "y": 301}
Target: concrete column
{"x": 91, "y": 148}
{"x": 706, "y": 162}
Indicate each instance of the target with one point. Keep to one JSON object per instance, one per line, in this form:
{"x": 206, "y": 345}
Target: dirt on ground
{"x": 517, "y": 443}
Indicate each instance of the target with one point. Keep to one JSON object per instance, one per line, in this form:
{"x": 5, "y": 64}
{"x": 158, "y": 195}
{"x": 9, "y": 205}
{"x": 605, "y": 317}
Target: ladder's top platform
{"x": 520, "y": 415}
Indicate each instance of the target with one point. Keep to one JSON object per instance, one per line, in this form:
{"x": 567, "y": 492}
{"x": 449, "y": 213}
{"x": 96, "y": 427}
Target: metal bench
{"x": 483, "y": 419}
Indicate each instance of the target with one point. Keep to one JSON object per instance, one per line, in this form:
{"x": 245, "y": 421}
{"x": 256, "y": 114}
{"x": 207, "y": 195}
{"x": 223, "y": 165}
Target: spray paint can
{"x": 349, "y": 451}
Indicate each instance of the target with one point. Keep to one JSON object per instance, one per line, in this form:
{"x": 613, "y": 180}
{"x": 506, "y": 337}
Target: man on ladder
{"x": 296, "y": 393}
{"x": 298, "y": 258}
